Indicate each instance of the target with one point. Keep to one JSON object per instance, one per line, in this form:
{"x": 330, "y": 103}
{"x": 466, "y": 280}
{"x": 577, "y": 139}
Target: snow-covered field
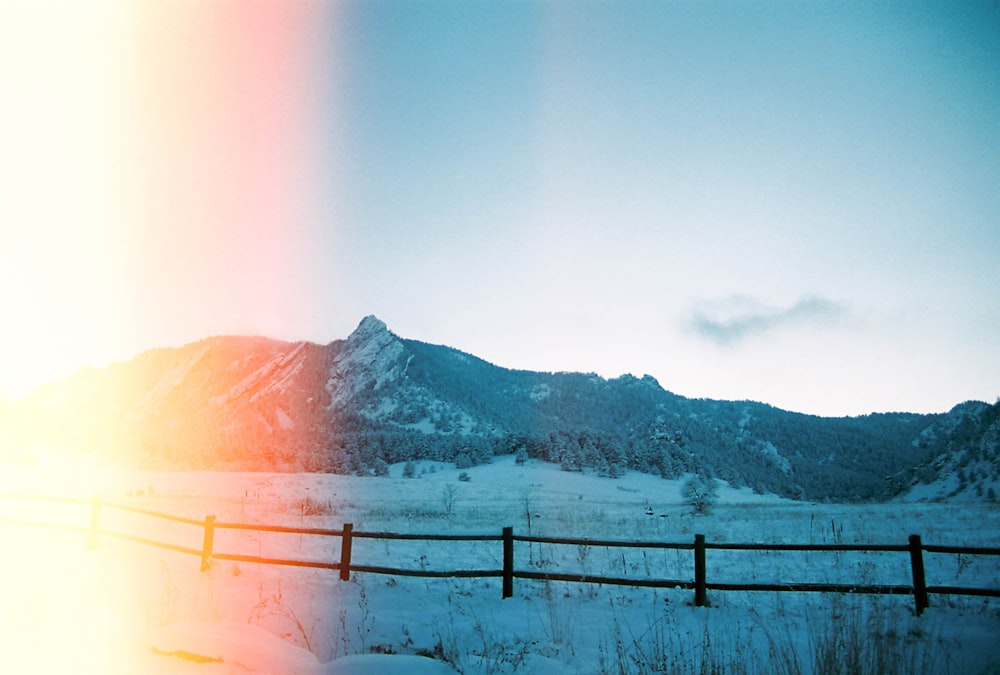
{"x": 125, "y": 607}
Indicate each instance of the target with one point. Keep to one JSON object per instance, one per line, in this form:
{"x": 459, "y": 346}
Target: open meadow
{"x": 95, "y": 608}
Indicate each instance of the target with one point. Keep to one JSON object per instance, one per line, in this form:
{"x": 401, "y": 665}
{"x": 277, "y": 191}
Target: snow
{"x": 70, "y": 608}
{"x": 540, "y": 392}
{"x": 172, "y": 379}
{"x": 769, "y": 451}
{"x": 371, "y": 350}
{"x": 270, "y": 374}
{"x": 284, "y": 421}
{"x": 231, "y": 646}
{"x": 385, "y": 664}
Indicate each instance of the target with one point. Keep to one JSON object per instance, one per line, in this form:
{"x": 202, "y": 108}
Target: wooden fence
{"x": 915, "y": 549}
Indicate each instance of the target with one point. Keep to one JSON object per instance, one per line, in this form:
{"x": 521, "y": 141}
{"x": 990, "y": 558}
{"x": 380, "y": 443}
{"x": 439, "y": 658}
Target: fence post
{"x": 345, "y": 551}
{"x": 919, "y": 578}
{"x": 206, "y": 547}
{"x": 508, "y": 562}
{"x": 95, "y": 521}
{"x": 700, "y": 592}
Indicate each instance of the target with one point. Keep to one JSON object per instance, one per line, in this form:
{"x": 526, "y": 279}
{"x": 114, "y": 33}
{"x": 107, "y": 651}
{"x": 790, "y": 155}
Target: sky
{"x": 793, "y": 203}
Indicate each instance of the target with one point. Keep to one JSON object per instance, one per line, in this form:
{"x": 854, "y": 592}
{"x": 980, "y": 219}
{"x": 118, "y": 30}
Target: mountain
{"x": 355, "y": 405}
{"x": 965, "y": 455}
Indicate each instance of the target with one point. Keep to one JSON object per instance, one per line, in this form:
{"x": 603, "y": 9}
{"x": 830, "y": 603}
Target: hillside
{"x": 360, "y": 404}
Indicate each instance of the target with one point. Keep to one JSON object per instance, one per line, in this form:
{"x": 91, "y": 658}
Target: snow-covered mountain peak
{"x": 370, "y": 360}
{"x": 372, "y": 346}
{"x": 370, "y": 328}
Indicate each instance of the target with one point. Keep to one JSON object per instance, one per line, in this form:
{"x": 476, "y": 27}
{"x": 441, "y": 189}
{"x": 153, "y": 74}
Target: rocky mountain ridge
{"x": 355, "y": 405}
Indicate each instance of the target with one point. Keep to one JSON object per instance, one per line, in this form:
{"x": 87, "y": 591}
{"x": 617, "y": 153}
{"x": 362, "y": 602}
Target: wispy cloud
{"x": 734, "y": 320}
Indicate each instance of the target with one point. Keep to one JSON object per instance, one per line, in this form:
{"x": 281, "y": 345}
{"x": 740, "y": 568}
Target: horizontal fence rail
{"x": 699, "y": 584}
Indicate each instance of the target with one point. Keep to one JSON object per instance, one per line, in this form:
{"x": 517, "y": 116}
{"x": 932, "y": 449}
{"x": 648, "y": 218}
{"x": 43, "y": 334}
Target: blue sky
{"x": 773, "y": 201}
{"x": 795, "y": 203}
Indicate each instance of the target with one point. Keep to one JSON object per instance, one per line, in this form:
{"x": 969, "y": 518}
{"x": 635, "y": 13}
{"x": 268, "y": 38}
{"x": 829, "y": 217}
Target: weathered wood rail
{"x": 915, "y": 548}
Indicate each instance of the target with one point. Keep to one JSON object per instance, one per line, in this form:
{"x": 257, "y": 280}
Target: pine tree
{"x": 521, "y": 457}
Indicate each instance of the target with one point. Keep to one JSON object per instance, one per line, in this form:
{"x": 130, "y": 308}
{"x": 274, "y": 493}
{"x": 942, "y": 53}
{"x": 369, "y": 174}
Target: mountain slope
{"x": 965, "y": 455}
{"x": 355, "y": 405}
